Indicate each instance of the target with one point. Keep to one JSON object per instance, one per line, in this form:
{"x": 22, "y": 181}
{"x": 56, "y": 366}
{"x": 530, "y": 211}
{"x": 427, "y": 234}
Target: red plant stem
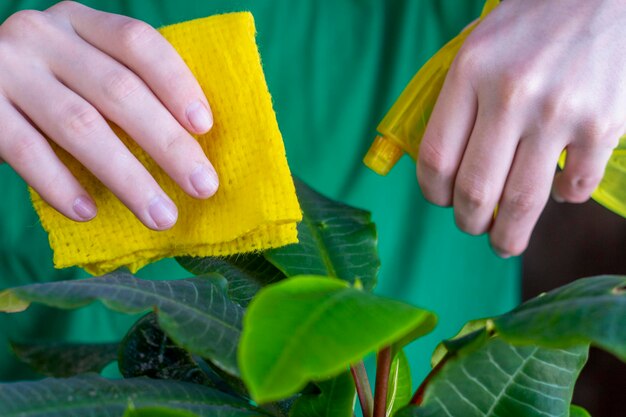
{"x": 383, "y": 367}
{"x": 418, "y": 397}
{"x": 363, "y": 388}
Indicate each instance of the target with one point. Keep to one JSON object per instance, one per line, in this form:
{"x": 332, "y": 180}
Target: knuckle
{"x": 134, "y": 34}
{"x": 80, "y": 120}
{"x": 595, "y": 132}
{"x": 554, "y": 107}
{"x": 586, "y": 183}
{"x": 24, "y": 22}
{"x": 512, "y": 93}
{"x": 520, "y": 204}
{"x": 516, "y": 87}
{"x": 473, "y": 192}
{"x": 171, "y": 142}
{"x": 65, "y": 5}
{"x": 22, "y": 149}
{"x": 433, "y": 160}
{"x": 121, "y": 84}
{"x": 578, "y": 189}
{"x": 468, "y": 59}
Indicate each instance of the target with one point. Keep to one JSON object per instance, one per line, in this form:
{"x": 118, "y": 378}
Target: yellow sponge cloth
{"x": 255, "y": 207}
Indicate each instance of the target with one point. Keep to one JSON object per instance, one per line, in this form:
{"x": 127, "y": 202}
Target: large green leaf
{"x": 98, "y": 397}
{"x": 246, "y": 274}
{"x": 334, "y": 240}
{"x": 66, "y": 359}
{"x": 312, "y": 328}
{"x": 499, "y": 380}
{"x": 195, "y": 312}
{"x": 590, "y": 310}
{"x": 147, "y": 351}
{"x": 399, "y": 389}
{"x": 335, "y": 399}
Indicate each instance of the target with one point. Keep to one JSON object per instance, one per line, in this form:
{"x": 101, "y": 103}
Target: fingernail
{"x": 163, "y": 212}
{"x": 200, "y": 117}
{"x": 205, "y": 181}
{"x": 503, "y": 255}
{"x": 557, "y": 197}
{"x": 85, "y": 208}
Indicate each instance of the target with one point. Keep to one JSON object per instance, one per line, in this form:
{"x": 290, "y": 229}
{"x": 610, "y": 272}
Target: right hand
{"x": 64, "y": 71}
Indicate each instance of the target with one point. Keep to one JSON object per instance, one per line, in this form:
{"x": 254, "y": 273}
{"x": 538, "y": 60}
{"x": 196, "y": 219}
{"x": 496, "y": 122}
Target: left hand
{"x": 534, "y": 78}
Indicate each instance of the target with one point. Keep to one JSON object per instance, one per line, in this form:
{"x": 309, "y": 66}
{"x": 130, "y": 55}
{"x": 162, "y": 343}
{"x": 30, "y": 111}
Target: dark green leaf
{"x": 66, "y": 359}
{"x": 98, "y": 397}
{"x": 312, "y": 328}
{"x": 246, "y": 274}
{"x": 399, "y": 390}
{"x": 335, "y": 399}
{"x": 194, "y": 312}
{"x": 157, "y": 412}
{"x": 147, "y": 351}
{"x": 590, "y": 310}
{"x": 473, "y": 333}
{"x": 576, "y": 411}
{"x": 499, "y": 380}
{"x": 335, "y": 240}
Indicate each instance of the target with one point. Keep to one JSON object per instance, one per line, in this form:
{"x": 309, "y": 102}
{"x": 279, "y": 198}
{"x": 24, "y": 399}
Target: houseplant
{"x": 284, "y": 332}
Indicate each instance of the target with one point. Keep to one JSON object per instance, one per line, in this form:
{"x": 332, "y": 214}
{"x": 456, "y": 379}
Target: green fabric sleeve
{"x": 333, "y": 68}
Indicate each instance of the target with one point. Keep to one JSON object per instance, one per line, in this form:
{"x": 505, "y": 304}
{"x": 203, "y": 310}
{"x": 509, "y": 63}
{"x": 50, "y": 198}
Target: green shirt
{"x": 334, "y": 67}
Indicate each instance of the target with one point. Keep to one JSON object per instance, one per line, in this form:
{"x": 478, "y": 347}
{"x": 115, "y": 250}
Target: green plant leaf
{"x": 590, "y": 310}
{"x": 399, "y": 389}
{"x": 91, "y": 395}
{"x": 472, "y": 333}
{"x": 246, "y": 274}
{"x": 335, "y": 398}
{"x": 194, "y": 312}
{"x": 147, "y": 351}
{"x": 334, "y": 240}
{"x": 66, "y": 359}
{"x": 157, "y": 412}
{"x": 576, "y": 411}
{"x": 499, "y": 379}
{"x": 312, "y": 328}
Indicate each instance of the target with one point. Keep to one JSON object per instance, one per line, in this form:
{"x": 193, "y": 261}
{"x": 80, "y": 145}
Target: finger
{"x": 122, "y": 97}
{"x": 525, "y": 194}
{"x": 31, "y": 156}
{"x": 583, "y": 171}
{"x": 483, "y": 171}
{"x": 78, "y": 128}
{"x": 446, "y": 136}
{"x": 142, "y": 49}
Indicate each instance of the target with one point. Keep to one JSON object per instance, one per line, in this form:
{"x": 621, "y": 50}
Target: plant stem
{"x": 418, "y": 397}
{"x": 363, "y": 388}
{"x": 383, "y": 367}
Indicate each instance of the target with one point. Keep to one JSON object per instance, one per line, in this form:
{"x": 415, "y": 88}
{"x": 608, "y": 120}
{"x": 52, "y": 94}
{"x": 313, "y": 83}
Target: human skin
{"x": 534, "y": 78}
{"x": 67, "y": 70}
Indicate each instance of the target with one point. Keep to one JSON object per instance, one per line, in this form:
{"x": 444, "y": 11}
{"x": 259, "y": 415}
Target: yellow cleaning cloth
{"x": 256, "y": 206}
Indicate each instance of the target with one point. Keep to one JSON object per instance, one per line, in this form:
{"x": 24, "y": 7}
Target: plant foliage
{"x": 283, "y": 333}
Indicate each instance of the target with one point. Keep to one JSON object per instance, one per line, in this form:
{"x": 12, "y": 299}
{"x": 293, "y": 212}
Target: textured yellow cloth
{"x": 255, "y": 207}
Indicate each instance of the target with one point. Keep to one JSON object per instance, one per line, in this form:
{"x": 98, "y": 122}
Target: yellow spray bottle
{"x": 402, "y": 128}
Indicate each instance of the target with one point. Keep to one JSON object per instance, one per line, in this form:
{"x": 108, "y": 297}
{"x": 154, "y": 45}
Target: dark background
{"x": 572, "y": 241}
